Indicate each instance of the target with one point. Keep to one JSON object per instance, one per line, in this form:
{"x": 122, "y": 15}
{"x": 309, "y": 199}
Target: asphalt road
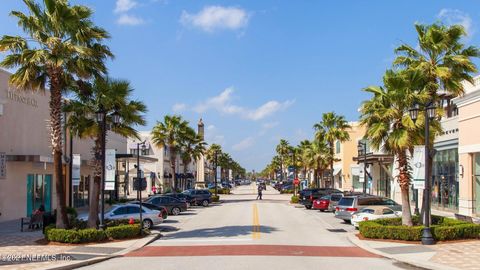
{"x": 245, "y": 233}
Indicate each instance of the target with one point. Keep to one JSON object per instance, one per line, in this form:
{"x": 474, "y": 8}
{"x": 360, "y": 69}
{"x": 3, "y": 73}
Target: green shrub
{"x": 123, "y": 231}
{"x": 215, "y": 198}
{"x": 294, "y": 199}
{"x": 75, "y": 236}
{"x": 72, "y": 212}
{"x": 286, "y": 192}
{"x": 224, "y": 191}
{"x": 442, "y": 229}
{"x": 91, "y": 235}
{"x": 78, "y": 224}
{"x": 119, "y": 222}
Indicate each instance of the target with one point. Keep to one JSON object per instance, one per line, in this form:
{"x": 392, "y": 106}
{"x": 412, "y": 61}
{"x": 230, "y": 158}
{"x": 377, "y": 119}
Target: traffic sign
{"x": 139, "y": 185}
{"x": 296, "y": 182}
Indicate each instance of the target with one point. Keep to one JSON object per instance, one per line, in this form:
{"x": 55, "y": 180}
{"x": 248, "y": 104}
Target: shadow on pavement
{"x": 226, "y": 231}
{"x": 170, "y": 221}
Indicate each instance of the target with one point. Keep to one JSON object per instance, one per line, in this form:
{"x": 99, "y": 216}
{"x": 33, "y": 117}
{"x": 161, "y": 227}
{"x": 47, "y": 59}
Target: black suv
{"x": 183, "y": 197}
{"x": 200, "y": 196}
{"x": 173, "y": 205}
{"x": 307, "y": 196}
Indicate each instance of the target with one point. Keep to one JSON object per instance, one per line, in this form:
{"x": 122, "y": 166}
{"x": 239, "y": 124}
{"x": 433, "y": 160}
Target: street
{"x": 243, "y": 232}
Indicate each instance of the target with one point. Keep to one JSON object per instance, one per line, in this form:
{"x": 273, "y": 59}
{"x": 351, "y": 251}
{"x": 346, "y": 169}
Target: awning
{"x": 375, "y": 158}
{"x": 336, "y": 170}
{"x": 133, "y": 158}
{"x": 355, "y": 170}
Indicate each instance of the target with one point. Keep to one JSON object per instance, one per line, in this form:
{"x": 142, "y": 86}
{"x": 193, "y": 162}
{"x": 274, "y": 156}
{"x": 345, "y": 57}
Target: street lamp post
{"x": 362, "y": 151}
{"x": 101, "y": 117}
{"x": 140, "y": 182}
{"x": 429, "y": 113}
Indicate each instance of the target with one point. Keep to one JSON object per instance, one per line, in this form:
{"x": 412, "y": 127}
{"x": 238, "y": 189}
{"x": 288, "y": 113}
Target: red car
{"x": 322, "y": 203}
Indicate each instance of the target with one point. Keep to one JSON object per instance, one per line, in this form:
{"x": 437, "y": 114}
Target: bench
{"x": 464, "y": 218}
{"x": 31, "y": 222}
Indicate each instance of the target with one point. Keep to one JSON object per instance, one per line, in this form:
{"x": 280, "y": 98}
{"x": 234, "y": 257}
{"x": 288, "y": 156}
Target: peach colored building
{"x": 26, "y": 169}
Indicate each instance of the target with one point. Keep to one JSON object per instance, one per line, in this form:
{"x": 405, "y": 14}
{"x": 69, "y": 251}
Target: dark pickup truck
{"x": 307, "y": 196}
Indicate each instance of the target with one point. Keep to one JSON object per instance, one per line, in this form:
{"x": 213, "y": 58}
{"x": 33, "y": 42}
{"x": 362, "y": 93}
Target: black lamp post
{"x": 429, "y": 113}
{"x": 101, "y": 118}
{"x": 140, "y": 182}
{"x": 362, "y": 151}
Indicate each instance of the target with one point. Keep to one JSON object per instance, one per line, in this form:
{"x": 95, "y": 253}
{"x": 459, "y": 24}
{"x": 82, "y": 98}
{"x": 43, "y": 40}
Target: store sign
{"x": 110, "y": 169}
{"x": 20, "y": 97}
{"x": 219, "y": 173}
{"x": 230, "y": 175}
{"x": 417, "y": 163}
{"x": 76, "y": 170}
{"x": 3, "y": 166}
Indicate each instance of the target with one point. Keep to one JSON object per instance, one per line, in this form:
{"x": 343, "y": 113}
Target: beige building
{"x": 26, "y": 169}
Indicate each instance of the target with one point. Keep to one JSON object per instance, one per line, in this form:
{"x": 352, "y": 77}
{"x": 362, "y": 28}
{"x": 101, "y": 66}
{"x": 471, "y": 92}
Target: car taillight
{"x": 365, "y": 218}
{"x": 311, "y": 197}
{"x": 160, "y": 214}
{"x": 337, "y": 208}
{"x": 351, "y": 209}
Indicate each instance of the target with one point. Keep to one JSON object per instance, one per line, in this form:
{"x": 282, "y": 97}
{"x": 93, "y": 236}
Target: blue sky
{"x": 258, "y": 71}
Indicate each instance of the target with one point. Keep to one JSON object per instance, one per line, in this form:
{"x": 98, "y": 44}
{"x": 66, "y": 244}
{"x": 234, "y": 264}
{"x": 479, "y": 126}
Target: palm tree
{"x": 303, "y": 158}
{"x": 332, "y": 128}
{"x": 318, "y": 156}
{"x": 283, "y": 152}
{"x": 389, "y": 126}
{"x": 442, "y": 59}
{"x": 170, "y": 133}
{"x": 193, "y": 147}
{"x": 63, "y": 45}
{"x": 211, "y": 152}
{"x": 112, "y": 96}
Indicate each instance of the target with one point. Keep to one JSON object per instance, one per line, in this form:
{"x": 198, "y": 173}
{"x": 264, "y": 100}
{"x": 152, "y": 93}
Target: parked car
{"x": 183, "y": 197}
{"x": 202, "y": 197}
{"x": 127, "y": 211}
{"x": 173, "y": 205}
{"x": 372, "y": 213}
{"x": 322, "y": 203}
{"x": 307, "y": 196}
{"x": 212, "y": 186}
{"x": 351, "y": 204}
{"x": 287, "y": 187}
{"x": 162, "y": 209}
{"x": 334, "y": 199}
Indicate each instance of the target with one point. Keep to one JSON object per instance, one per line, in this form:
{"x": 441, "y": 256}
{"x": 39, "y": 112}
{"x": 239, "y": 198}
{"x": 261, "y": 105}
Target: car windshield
{"x": 325, "y": 197}
{"x": 346, "y": 202}
{"x": 336, "y": 197}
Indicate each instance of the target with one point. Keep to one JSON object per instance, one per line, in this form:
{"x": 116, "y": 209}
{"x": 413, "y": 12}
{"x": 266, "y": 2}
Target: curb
{"x": 119, "y": 254}
{"x": 423, "y": 265}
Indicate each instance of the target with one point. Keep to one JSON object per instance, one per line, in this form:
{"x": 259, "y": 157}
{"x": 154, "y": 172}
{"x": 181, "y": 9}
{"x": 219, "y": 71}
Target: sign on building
{"x": 3, "y": 166}
{"x": 110, "y": 169}
{"x": 417, "y": 163}
{"x": 76, "y": 163}
{"x": 219, "y": 173}
{"x": 230, "y": 175}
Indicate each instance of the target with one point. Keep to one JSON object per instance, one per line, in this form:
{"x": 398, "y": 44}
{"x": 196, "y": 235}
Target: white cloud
{"x": 124, "y": 5}
{"x": 131, "y": 20}
{"x": 244, "y": 144}
{"x": 223, "y": 104}
{"x": 270, "y": 125}
{"x": 212, "y": 18}
{"x": 179, "y": 107}
{"x": 455, "y": 16}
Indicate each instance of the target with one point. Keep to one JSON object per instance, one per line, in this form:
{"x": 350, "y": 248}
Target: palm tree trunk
{"x": 95, "y": 189}
{"x": 404, "y": 182}
{"x": 332, "y": 177}
{"x": 173, "y": 161}
{"x": 56, "y": 137}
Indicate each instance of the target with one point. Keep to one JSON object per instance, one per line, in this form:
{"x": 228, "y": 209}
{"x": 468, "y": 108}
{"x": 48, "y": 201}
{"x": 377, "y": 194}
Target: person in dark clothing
{"x": 260, "y": 190}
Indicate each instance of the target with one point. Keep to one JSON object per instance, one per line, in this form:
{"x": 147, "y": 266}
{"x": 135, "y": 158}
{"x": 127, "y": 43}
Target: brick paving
{"x": 251, "y": 250}
{"x": 461, "y": 255}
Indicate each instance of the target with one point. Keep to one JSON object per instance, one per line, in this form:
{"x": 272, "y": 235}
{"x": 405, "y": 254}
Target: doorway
{"x": 39, "y": 192}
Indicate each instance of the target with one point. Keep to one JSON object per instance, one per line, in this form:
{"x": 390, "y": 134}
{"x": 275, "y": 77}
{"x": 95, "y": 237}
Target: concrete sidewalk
{"x": 20, "y": 250}
{"x": 443, "y": 256}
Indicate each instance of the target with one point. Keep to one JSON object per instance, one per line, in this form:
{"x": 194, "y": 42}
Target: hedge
{"x": 75, "y": 236}
{"x": 294, "y": 199}
{"x": 215, "y": 198}
{"x": 442, "y": 229}
{"x": 220, "y": 191}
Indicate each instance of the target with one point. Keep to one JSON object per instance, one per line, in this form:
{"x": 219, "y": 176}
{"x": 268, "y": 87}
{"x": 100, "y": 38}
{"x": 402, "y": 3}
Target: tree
{"x": 283, "y": 152}
{"x": 389, "y": 127}
{"x": 318, "y": 156}
{"x": 442, "y": 59}
{"x": 63, "y": 45}
{"x": 111, "y": 96}
{"x": 192, "y": 148}
{"x": 171, "y": 133}
{"x": 332, "y": 128}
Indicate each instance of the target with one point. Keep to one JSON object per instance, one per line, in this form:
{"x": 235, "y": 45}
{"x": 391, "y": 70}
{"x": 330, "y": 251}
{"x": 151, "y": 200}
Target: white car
{"x": 127, "y": 211}
{"x": 372, "y": 213}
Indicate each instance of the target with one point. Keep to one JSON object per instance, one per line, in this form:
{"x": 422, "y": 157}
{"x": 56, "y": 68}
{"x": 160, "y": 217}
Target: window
{"x": 389, "y": 202}
{"x": 337, "y": 147}
{"x": 346, "y": 202}
{"x": 134, "y": 210}
{"x": 387, "y": 211}
{"x": 367, "y": 210}
{"x": 120, "y": 211}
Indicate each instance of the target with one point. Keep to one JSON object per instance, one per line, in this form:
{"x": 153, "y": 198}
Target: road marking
{"x": 256, "y": 223}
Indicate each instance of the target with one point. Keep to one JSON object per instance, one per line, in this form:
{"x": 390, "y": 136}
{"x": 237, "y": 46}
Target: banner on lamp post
{"x": 110, "y": 169}
{"x": 417, "y": 163}
{"x": 230, "y": 175}
{"x": 76, "y": 163}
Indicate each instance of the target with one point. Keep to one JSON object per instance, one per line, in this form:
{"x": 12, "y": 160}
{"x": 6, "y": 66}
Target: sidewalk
{"x": 22, "y": 246}
{"x": 443, "y": 256}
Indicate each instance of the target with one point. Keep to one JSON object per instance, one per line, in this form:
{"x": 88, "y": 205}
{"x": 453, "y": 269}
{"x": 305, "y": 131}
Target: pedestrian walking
{"x": 260, "y": 190}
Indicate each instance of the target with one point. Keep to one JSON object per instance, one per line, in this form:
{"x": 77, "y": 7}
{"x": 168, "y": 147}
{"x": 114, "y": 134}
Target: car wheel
{"x": 204, "y": 203}
{"x": 147, "y": 224}
{"x": 175, "y": 211}
{"x": 308, "y": 207}
{"x": 322, "y": 210}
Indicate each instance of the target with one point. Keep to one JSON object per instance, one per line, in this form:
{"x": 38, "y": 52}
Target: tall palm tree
{"x": 303, "y": 158}
{"x": 214, "y": 149}
{"x": 332, "y": 128}
{"x": 388, "y": 125}
{"x": 318, "y": 156}
{"x": 193, "y": 147}
{"x": 442, "y": 59}
{"x": 112, "y": 96}
{"x": 283, "y": 151}
{"x": 171, "y": 133}
{"x": 63, "y": 45}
